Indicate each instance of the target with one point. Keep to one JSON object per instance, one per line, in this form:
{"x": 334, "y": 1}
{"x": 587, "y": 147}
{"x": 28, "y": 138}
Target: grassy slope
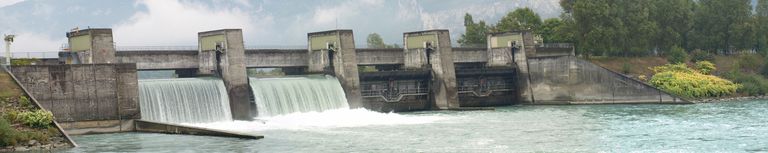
{"x": 10, "y": 92}
{"x": 638, "y": 65}
{"x": 7, "y": 87}
{"x": 641, "y": 65}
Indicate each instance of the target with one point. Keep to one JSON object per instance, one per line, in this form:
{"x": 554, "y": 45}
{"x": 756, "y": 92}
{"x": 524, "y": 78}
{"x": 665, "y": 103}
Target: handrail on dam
{"x": 195, "y": 48}
{"x": 155, "y": 48}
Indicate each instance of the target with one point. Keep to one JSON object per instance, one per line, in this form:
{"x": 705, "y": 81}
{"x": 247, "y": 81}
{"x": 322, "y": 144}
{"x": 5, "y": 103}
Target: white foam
{"x": 337, "y": 118}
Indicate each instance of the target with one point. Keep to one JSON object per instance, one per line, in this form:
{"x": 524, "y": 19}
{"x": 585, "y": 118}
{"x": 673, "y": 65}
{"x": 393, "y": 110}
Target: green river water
{"x": 714, "y": 127}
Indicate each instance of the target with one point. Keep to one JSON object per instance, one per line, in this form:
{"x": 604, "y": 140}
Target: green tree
{"x": 674, "y": 19}
{"x": 591, "y": 22}
{"x": 475, "y": 34}
{"x": 719, "y": 24}
{"x": 632, "y": 27}
{"x": 761, "y": 18}
{"x": 375, "y": 41}
{"x": 677, "y": 55}
{"x": 555, "y": 30}
{"x": 520, "y": 19}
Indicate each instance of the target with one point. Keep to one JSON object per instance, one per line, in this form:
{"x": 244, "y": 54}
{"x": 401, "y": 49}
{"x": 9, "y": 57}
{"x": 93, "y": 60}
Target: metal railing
{"x": 195, "y": 48}
{"x": 393, "y": 91}
{"x": 37, "y": 55}
{"x": 154, "y": 48}
{"x": 555, "y": 45}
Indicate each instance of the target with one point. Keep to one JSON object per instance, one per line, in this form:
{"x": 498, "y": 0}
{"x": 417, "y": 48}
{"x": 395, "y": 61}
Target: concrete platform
{"x": 168, "y": 128}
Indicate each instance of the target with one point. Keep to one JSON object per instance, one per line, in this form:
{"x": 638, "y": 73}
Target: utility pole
{"x": 8, "y": 40}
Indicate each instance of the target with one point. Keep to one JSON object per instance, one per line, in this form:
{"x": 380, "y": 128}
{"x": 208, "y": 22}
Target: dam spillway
{"x": 280, "y": 96}
{"x": 184, "y": 100}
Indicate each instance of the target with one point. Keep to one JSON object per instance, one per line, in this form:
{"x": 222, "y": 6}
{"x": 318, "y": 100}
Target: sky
{"x": 40, "y": 25}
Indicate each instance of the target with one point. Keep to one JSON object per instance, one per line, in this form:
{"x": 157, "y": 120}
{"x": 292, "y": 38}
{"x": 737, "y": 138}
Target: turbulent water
{"x": 184, "y": 100}
{"x": 280, "y": 96}
{"x": 716, "y": 127}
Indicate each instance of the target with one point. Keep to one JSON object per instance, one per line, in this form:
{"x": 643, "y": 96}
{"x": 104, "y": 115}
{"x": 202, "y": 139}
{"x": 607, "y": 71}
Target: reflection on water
{"x": 718, "y": 127}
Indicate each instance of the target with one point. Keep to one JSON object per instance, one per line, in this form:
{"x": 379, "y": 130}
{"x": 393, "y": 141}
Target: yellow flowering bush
{"x": 705, "y": 67}
{"x": 680, "y": 80}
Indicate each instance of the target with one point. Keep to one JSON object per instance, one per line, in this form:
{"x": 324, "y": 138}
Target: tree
{"x": 555, "y": 30}
{"x": 633, "y": 28}
{"x": 761, "y": 18}
{"x": 677, "y": 55}
{"x": 520, "y": 19}
{"x": 674, "y": 19}
{"x": 475, "y": 34}
{"x": 591, "y": 19}
{"x": 719, "y": 24}
{"x": 375, "y": 41}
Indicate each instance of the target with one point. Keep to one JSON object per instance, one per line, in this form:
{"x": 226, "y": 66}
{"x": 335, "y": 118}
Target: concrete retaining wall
{"x": 84, "y": 92}
{"x": 569, "y": 80}
{"x": 157, "y": 127}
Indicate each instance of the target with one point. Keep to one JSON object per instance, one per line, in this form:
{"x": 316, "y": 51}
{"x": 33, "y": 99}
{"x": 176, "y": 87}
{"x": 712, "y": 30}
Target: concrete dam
{"x": 94, "y": 87}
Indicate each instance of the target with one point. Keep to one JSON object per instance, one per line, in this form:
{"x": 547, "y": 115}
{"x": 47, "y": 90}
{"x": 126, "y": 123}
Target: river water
{"x": 714, "y": 127}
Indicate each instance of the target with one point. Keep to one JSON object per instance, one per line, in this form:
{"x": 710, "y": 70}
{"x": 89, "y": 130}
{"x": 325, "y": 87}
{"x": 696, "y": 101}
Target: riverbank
{"x": 23, "y": 126}
{"x": 748, "y": 70}
{"x": 730, "y": 99}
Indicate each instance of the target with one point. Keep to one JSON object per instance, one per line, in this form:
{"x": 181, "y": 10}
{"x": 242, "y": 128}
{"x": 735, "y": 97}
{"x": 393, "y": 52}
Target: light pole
{"x": 8, "y": 40}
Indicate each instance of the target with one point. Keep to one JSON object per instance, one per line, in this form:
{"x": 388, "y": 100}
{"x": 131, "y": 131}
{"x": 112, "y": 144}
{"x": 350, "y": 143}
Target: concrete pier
{"x": 334, "y": 52}
{"x": 222, "y": 53}
{"x": 512, "y": 46}
{"x": 432, "y": 49}
{"x": 91, "y": 46}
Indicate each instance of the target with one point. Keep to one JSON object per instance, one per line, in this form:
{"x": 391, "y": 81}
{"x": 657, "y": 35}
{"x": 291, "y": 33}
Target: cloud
{"x": 171, "y": 22}
{"x": 5, "y": 3}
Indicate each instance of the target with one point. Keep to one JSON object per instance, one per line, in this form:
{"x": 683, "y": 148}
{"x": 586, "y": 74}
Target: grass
{"x": 7, "y": 86}
{"x": 640, "y": 65}
{"x": 635, "y": 65}
{"x": 16, "y": 128}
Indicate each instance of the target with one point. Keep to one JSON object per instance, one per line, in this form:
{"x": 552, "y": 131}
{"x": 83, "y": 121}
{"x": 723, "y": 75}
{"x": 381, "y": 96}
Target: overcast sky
{"x": 41, "y": 24}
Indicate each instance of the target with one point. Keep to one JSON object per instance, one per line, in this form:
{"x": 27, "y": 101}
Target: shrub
{"x": 764, "y": 70}
{"x": 37, "y": 118}
{"x": 33, "y": 135}
{"x": 625, "y": 68}
{"x": 642, "y": 78}
{"x": 53, "y": 131}
{"x": 24, "y": 102}
{"x": 24, "y": 61}
{"x": 7, "y": 133}
{"x": 11, "y": 115}
{"x": 748, "y": 63}
{"x": 705, "y": 67}
{"x": 682, "y": 81}
{"x": 699, "y": 55}
{"x": 672, "y": 68}
{"x": 753, "y": 84}
{"x": 677, "y": 55}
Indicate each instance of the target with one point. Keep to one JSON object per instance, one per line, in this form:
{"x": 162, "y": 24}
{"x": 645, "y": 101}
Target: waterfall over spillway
{"x": 184, "y": 100}
{"x": 280, "y": 96}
